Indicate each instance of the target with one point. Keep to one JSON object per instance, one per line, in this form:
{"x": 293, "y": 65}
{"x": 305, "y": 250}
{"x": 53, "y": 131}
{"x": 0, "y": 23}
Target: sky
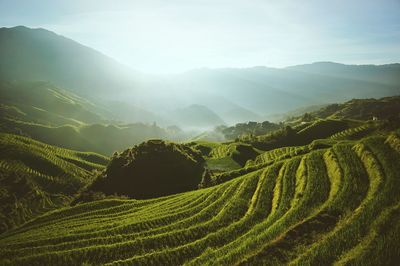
{"x": 179, "y": 35}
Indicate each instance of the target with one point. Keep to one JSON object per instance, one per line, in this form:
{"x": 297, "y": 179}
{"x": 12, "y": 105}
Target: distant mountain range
{"x": 198, "y": 116}
{"x": 231, "y": 95}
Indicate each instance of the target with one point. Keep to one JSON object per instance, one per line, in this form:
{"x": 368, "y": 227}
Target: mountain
{"x": 384, "y": 74}
{"x": 238, "y": 113}
{"x": 127, "y": 112}
{"x": 234, "y": 94}
{"x": 41, "y": 55}
{"x": 269, "y": 90}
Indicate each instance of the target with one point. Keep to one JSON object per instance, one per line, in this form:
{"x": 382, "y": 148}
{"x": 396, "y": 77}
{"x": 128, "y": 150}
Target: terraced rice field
{"x": 223, "y": 150}
{"x": 354, "y": 133}
{"x": 338, "y": 205}
{"x": 280, "y": 153}
{"x": 289, "y": 152}
{"x": 36, "y": 177}
{"x": 55, "y": 169}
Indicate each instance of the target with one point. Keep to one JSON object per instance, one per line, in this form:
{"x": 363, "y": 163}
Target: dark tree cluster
{"x": 152, "y": 169}
{"x": 249, "y": 129}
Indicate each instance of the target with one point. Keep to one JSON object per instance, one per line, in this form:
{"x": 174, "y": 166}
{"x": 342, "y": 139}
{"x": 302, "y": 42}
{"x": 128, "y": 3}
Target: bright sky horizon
{"x": 156, "y": 36}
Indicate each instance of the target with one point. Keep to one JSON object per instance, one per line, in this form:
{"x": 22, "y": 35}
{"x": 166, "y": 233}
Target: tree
{"x": 206, "y": 180}
{"x": 307, "y": 117}
{"x": 288, "y": 131}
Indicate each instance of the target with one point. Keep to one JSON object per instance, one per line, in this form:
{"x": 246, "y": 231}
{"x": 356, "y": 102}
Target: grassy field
{"x": 335, "y": 204}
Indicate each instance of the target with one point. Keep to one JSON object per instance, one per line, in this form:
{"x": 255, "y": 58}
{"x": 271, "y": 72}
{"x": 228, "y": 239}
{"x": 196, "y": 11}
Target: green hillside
{"x": 300, "y": 134}
{"x": 361, "y": 109}
{"x": 337, "y": 205}
{"x": 315, "y": 191}
{"x": 36, "y": 177}
{"x": 100, "y": 138}
{"x": 49, "y": 114}
{"x": 44, "y": 103}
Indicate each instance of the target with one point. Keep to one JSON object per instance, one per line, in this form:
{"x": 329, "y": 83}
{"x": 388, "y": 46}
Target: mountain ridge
{"x": 56, "y": 56}
{"x": 260, "y": 90}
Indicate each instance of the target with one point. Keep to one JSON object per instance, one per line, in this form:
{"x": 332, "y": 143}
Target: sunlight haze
{"x": 176, "y": 36}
